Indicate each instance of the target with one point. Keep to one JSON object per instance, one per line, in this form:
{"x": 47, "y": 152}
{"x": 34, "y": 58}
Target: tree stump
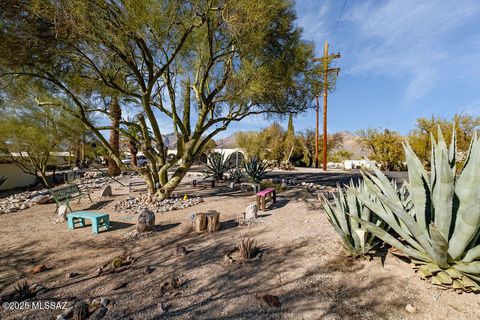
{"x": 213, "y": 221}
{"x": 200, "y": 221}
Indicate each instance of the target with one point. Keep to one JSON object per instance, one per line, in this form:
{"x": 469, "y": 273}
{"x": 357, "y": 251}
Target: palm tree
{"x": 116, "y": 116}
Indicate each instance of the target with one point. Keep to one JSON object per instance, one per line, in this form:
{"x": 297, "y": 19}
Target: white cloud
{"x": 427, "y": 42}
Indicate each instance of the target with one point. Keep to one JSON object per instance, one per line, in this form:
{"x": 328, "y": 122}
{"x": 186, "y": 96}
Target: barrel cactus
{"x": 440, "y": 229}
{"x": 357, "y": 241}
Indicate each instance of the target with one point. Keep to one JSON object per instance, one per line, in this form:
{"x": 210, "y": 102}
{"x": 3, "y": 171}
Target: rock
{"x": 145, "y": 221}
{"x": 62, "y": 212}
{"x": 104, "y": 302}
{"x": 99, "y": 313}
{"x": 39, "y": 268}
{"x": 80, "y": 310}
{"x": 160, "y": 308}
{"x": 71, "y": 275}
{"x": 67, "y": 312}
{"x": 410, "y": 308}
{"x": 42, "y": 199}
{"x": 106, "y": 191}
{"x": 148, "y": 270}
{"x": 181, "y": 251}
{"x": 251, "y": 212}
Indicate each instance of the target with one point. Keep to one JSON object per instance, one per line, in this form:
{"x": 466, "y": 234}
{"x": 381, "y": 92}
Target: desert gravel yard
{"x": 300, "y": 271}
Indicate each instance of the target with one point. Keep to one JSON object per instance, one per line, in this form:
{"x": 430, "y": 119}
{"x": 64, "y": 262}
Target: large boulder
{"x": 42, "y": 199}
{"x": 145, "y": 221}
{"x": 251, "y": 211}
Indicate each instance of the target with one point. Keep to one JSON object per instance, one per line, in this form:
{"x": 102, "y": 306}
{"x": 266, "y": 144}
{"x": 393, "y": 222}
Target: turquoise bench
{"x": 98, "y": 220}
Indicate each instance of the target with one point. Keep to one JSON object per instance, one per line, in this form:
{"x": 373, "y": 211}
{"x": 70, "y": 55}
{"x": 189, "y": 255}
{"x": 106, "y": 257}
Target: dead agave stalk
{"x": 23, "y": 290}
{"x": 248, "y": 248}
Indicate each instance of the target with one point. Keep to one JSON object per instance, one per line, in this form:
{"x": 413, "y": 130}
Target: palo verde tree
{"x": 234, "y": 58}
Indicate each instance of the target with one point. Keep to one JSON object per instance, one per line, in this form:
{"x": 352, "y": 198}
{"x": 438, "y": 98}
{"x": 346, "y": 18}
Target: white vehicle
{"x": 141, "y": 161}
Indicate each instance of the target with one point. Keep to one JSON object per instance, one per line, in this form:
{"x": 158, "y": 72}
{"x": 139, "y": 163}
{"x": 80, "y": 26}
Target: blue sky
{"x": 401, "y": 59}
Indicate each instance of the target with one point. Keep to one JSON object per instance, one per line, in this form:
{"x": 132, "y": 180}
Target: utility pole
{"x": 326, "y": 59}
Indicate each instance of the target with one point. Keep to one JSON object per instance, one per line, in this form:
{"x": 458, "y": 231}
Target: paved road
{"x": 331, "y": 177}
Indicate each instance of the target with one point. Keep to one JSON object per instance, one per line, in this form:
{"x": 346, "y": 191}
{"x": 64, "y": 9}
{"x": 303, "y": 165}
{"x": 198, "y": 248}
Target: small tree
{"x": 383, "y": 146}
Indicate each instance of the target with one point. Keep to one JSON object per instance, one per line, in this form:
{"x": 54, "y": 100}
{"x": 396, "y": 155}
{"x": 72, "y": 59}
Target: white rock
{"x": 251, "y": 211}
{"x": 107, "y": 191}
{"x": 41, "y": 199}
{"x": 62, "y": 212}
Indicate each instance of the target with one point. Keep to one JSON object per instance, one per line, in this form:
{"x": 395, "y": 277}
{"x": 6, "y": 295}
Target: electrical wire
{"x": 339, "y": 17}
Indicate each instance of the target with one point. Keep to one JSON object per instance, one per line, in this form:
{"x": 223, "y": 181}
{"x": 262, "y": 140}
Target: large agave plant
{"x": 440, "y": 230}
{"x": 357, "y": 241}
{"x": 217, "y": 166}
{"x": 255, "y": 169}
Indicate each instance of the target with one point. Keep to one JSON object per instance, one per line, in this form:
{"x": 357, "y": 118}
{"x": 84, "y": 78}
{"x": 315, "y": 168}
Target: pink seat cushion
{"x": 265, "y": 192}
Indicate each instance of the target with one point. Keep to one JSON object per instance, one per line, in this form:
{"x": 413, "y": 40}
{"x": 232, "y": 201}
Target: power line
{"x": 339, "y": 17}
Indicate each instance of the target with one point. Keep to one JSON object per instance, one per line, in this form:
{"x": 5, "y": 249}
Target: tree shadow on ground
{"x": 220, "y": 290}
{"x": 98, "y": 205}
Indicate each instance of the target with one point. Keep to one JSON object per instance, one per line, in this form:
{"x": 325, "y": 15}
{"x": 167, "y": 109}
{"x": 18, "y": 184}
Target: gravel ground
{"x": 301, "y": 264}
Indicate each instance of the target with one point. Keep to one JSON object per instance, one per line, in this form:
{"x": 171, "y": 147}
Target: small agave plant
{"x": 255, "y": 169}
{"x": 217, "y": 166}
{"x": 357, "y": 241}
{"x": 440, "y": 228}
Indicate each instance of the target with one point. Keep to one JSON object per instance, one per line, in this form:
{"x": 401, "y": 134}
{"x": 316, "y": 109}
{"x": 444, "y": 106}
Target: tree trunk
{"x": 115, "y": 115}
{"x": 133, "y": 153}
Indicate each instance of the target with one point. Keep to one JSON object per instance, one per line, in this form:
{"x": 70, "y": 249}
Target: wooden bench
{"x": 271, "y": 193}
{"x": 98, "y": 220}
{"x": 211, "y": 182}
{"x": 255, "y": 186}
{"x": 135, "y": 183}
{"x": 64, "y": 194}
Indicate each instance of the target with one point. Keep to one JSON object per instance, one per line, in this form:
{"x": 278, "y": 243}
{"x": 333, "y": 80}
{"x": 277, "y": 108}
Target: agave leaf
{"x": 442, "y": 191}
{"x": 390, "y": 220}
{"x": 454, "y": 273}
{"x": 383, "y": 183}
{"x": 424, "y": 272}
{"x": 467, "y": 282}
{"x": 439, "y": 245}
{"x": 433, "y": 267}
{"x": 437, "y": 281}
{"x": 420, "y": 235}
{"x": 418, "y": 187}
{"x": 457, "y": 285}
{"x": 444, "y": 277}
{"x": 468, "y": 212}
{"x": 342, "y": 221}
{"x": 361, "y": 237}
{"x": 353, "y": 210}
{"x": 471, "y": 268}
{"x": 452, "y": 151}
{"x": 385, "y": 236}
{"x": 472, "y": 254}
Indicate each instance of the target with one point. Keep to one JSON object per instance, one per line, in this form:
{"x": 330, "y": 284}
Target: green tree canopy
{"x": 234, "y": 57}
